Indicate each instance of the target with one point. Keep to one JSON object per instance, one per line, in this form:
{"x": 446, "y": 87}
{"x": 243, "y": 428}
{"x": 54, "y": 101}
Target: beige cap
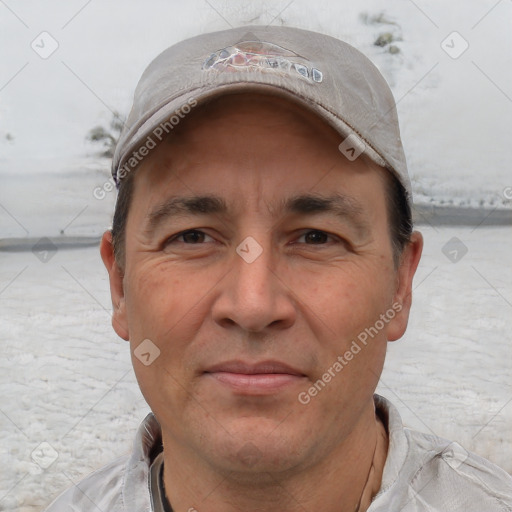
{"x": 326, "y": 75}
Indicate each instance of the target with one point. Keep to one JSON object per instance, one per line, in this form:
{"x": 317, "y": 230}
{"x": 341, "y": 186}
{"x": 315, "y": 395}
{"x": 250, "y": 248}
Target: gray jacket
{"x": 423, "y": 473}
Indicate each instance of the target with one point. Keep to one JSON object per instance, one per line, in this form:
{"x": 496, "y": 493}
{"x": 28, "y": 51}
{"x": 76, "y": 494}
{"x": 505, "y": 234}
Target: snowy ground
{"x": 66, "y": 379}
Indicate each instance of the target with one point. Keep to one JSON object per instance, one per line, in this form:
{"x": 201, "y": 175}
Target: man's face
{"x": 247, "y": 326}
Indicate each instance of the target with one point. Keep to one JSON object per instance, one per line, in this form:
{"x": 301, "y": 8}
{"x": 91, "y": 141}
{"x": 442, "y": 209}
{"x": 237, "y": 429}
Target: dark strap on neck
{"x": 159, "y": 501}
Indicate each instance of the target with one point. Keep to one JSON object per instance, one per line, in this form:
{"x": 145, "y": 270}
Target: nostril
{"x": 227, "y": 322}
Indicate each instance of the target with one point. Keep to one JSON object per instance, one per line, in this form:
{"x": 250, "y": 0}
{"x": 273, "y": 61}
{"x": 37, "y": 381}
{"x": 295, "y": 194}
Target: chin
{"x": 258, "y": 446}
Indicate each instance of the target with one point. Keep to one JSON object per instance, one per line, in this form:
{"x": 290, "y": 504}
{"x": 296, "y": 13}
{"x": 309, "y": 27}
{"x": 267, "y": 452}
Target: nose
{"x": 253, "y": 295}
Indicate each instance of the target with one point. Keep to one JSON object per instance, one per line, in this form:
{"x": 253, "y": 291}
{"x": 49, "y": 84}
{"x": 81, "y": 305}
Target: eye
{"x": 190, "y": 237}
{"x": 315, "y": 237}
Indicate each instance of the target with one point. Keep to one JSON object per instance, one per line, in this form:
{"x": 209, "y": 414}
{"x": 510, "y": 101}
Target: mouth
{"x": 263, "y": 378}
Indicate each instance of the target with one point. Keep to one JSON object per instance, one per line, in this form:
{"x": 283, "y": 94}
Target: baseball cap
{"x": 326, "y": 75}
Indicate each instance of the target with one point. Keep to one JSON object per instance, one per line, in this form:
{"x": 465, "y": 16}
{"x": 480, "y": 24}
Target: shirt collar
{"x": 398, "y": 443}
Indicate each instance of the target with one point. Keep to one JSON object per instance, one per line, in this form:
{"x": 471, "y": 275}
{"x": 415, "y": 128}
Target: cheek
{"x": 162, "y": 306}
{"x": 350, "y": 309}
{"x": 157, "y": 298}
{"x": 349, "y": 299}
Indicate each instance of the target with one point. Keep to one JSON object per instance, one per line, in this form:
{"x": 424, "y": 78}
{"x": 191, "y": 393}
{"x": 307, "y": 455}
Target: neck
{"x": 335, "y": 484}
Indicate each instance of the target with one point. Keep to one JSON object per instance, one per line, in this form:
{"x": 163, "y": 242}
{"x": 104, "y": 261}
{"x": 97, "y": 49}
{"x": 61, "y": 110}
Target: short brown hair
{"x": 124, "y": 199}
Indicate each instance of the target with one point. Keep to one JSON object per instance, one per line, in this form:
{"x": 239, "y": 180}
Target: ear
{"x": 403, "y": 295}
{"x": 115, "y": 276}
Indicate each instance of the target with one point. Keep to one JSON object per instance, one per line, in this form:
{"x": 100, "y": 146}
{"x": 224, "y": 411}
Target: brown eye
{"x": 189, "y": 237}
{"x": 192, "y": 237}
{"x": 315, "y": 237}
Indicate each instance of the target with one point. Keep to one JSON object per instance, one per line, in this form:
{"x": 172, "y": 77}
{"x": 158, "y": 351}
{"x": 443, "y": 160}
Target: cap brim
{"x": 160, "y": 123}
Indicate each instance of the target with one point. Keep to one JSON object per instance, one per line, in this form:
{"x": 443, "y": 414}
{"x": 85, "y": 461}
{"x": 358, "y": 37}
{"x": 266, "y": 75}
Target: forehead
{"x": 249, "y": 146}
{"x": 255, "y": 115}
{"x": 232, "y": 124}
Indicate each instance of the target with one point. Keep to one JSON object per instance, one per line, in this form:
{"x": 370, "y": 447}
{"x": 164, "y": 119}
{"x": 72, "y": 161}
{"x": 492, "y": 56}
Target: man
{"x": 261, "y": 257}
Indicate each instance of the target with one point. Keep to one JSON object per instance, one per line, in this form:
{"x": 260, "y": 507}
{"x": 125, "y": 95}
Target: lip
{"x": 263, "y": 367}
{"x": 261, "y": 378}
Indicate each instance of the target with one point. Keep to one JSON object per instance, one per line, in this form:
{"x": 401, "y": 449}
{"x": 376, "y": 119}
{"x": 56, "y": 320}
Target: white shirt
{"x": 423, "y": 473}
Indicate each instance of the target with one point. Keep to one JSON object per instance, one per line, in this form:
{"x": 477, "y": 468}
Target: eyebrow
{"x": 342, "y": 206}
{"x": 180, "y": 206}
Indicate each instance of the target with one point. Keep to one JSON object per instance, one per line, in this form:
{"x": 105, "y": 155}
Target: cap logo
{"x": 264, "y": 57}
